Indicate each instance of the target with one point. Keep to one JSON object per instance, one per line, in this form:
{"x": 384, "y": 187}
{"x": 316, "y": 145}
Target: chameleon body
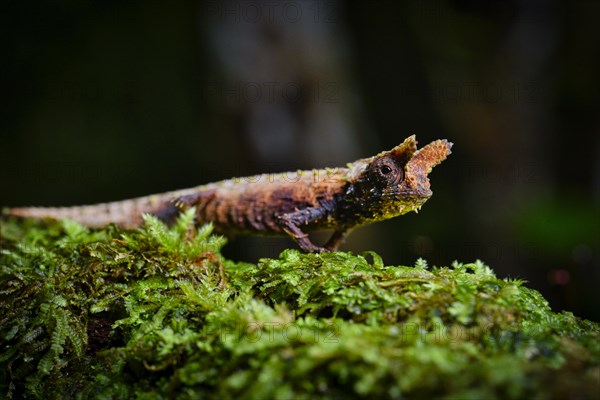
{"x": 372, "y": 189}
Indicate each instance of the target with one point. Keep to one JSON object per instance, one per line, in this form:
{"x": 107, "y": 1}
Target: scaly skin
{"x": 387, "y": 185}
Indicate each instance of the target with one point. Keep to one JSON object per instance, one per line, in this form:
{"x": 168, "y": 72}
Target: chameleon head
{"x": 395, "y": 182}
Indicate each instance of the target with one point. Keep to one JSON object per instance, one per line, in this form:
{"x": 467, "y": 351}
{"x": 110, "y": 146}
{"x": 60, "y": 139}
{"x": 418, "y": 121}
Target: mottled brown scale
{"x": 389, "y": 184}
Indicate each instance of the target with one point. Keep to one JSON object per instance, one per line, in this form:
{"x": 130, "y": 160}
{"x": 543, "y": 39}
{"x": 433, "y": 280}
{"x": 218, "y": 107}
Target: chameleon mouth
{"x": 418, "y": 198}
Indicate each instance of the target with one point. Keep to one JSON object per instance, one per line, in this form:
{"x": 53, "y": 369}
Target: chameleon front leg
{"x": 336, "y": 239}
{"x": 291, "y": 222}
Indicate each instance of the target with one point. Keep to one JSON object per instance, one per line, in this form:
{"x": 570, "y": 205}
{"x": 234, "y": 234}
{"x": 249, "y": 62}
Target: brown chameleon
{"x": 384, "y": 186}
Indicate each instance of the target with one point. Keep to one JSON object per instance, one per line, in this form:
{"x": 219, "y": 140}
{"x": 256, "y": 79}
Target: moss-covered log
{"x": 158, "y": 312}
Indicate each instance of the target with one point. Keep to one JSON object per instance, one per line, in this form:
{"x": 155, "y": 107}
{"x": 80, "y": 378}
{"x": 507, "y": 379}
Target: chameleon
{"x": 389, "y": 184}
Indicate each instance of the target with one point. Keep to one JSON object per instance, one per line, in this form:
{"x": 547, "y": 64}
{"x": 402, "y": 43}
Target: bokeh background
{"x": 112, "y": 100}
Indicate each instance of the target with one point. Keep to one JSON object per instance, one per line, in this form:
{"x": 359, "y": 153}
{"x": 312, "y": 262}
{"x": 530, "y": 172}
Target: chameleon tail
{"x": 127, "y": 213}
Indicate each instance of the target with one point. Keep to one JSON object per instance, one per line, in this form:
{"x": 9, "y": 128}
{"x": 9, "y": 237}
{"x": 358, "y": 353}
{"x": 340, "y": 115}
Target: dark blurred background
{"x": 112, "y": 100}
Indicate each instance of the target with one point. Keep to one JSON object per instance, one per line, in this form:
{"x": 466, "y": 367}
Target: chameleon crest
{"x": 372, "y": 189}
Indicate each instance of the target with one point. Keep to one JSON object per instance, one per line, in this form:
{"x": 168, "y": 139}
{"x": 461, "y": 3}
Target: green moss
{"x": 158, "y": 312}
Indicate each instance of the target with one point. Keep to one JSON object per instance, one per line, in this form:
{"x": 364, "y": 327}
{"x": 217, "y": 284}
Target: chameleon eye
{"x": 385, "y": 169}
{"x": 390, "y": 171}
